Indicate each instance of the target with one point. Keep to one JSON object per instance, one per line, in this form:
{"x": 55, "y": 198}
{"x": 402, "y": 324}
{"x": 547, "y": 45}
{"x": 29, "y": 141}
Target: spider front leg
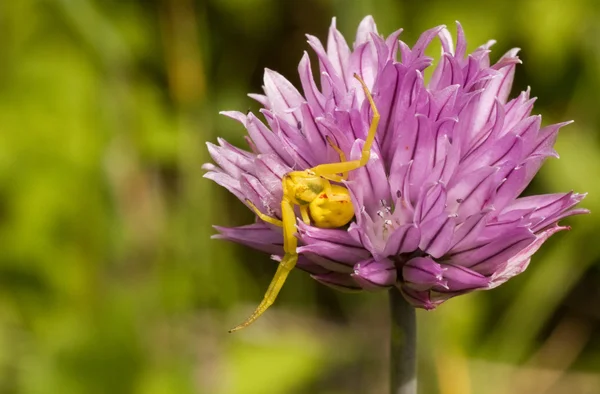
{"x": 330, "y": 170}
{"x": 342, "y": 155}
{"x": 285, "y": 266}
{"x": 264, "y": 217}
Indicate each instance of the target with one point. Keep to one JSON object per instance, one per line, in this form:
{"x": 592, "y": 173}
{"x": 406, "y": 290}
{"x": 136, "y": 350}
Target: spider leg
{"x": 342, "y": 156}
{"x": 285, "y": 266}
{"x": 366, "y": 150}
{"x": 266, "y": 218}
{"x": 304, "y": 213}
{"x": 326, "y": 170}
{"x": 330, "y": 177}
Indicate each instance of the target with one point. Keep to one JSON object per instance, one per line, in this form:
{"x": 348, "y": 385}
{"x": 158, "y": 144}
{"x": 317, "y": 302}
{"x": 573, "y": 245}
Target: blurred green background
{"x": 109, "y": 282}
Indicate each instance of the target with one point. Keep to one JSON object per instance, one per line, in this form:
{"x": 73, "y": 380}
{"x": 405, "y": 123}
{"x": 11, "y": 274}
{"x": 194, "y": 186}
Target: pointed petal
{"x": 313, "y": 96}
{"x": 419, "y": 299}
{"x": 325, "y": 64}
{"x": 422, "y": 273}
{"x": 266, "y": 141}
{"x": 404, "y": 239}
{"x": 283, "y": 96}
{"x": 471, "y": 191}
{"x": 460, "y": 278}
{"x": 374, "y": 274}
{"x": 467, "y": 233}
{"x": 365, "y": 28}
{"x": 308, "y": 233}
{"x": 371, "y": 179}
{"x": 519, "y": 262}
{"x": 488, "y": 258}
{"x": 432, "y": 203}
{"x": 343, "y": 253}
{"x": 258, "y": 236}
{"x": 338, "y": 281}
{"x": 436, "y": 235}
{"x": 338, "y": 52}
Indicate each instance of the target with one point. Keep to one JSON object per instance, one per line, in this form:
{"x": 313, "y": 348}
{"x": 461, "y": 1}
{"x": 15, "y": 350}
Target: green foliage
{"x": 109, "y": 282}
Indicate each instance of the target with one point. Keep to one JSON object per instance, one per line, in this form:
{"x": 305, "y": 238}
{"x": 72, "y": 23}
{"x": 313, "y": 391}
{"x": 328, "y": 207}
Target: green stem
{"x": 403, "y": 366}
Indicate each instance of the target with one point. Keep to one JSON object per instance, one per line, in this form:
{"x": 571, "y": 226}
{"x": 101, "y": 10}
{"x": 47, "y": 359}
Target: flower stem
{"x": 403, "y": 366}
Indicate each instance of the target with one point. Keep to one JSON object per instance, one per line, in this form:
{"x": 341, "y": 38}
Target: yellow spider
{"x": 326, "y": 205}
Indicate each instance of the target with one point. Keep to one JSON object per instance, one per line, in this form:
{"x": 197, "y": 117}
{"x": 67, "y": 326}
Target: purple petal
{"x": 325, "y": 66}
{"x": 368, "y": 233}
{"x": 313, "y": 96}
{"x": 381, "y": 59}
{"x": 506, "y": 65}
{"x": 233, "y": 162}
{"x": 460, "y": 279}
{"x": 513, "y": 184}
{"x": 371, "y": 179}
{"x": 431, "y": 203}
{"x": 461, "y": 42}
{"x": 266, "y": 141}
{"x": 444, "y": 169}
{"x": 235, "y": 115}
{"x": 229, "y": 183}
{"x": 386, "y": 93}
{"x": 528, "y": 129}
{"x": 398, "y": 131}
{"x": 365, "y": 28}
{"x": 328, "y": 264}
{"x": 545, "y": 141}
{"x": 357, "y": 231}
{"x": 467, "y": 233}
{"x": 470, "y": 192}
{"x": 270, "y": 170}
{"x": 404, "y": 239}
{"x": 283, "y": 96}
{"x": 338, "y": 281}
{"x": 422, "y": 43}
{"x": 291, "y": 138}
{"x": 365, "y": 62}
{"x": 446, "y": 41}
{"x": 422, "y": 152}
{"x": 447, "y": 73}
{"x": 338, "y": 52}
{"x": 392, "y": 44}
{"x": 400, "y": 188}
{"x": 419, "y": 299}
{"x": 374, "y": 274}
{"x": 519, "y": 262}
{"x": 314, "y": 136}
{"x": 331, "y": 244}
{"x": 261, "y": 98}
{"x": 336, "y": 236}
{"x": 422, "y": 273}
{"x": 305, "y": 265}
{"x": 262, "y": 198}
{"x": 258, "y": 236}
{"x": 547, "y": 208}
{"x": 442, "y": 102}
{"x": 436, "y": 235}
{"x": 518, "y": 109}
{"x": 487, "y": 258}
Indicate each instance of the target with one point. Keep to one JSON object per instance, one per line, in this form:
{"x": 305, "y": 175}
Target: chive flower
{"x": 435, "y": 210}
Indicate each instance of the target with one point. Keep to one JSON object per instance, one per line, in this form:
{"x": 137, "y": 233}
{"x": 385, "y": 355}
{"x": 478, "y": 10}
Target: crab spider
{"x": 324, "y": 204}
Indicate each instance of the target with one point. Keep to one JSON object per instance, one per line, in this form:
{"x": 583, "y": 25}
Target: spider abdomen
{"x": 332, "y": 211}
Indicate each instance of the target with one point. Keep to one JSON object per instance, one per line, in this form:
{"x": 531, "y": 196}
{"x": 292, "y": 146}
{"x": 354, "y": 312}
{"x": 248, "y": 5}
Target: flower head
{"x": 437, "y": 207}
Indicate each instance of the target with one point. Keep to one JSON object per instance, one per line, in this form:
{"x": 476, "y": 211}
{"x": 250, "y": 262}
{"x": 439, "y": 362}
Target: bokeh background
{"x": 109, "y": 282}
